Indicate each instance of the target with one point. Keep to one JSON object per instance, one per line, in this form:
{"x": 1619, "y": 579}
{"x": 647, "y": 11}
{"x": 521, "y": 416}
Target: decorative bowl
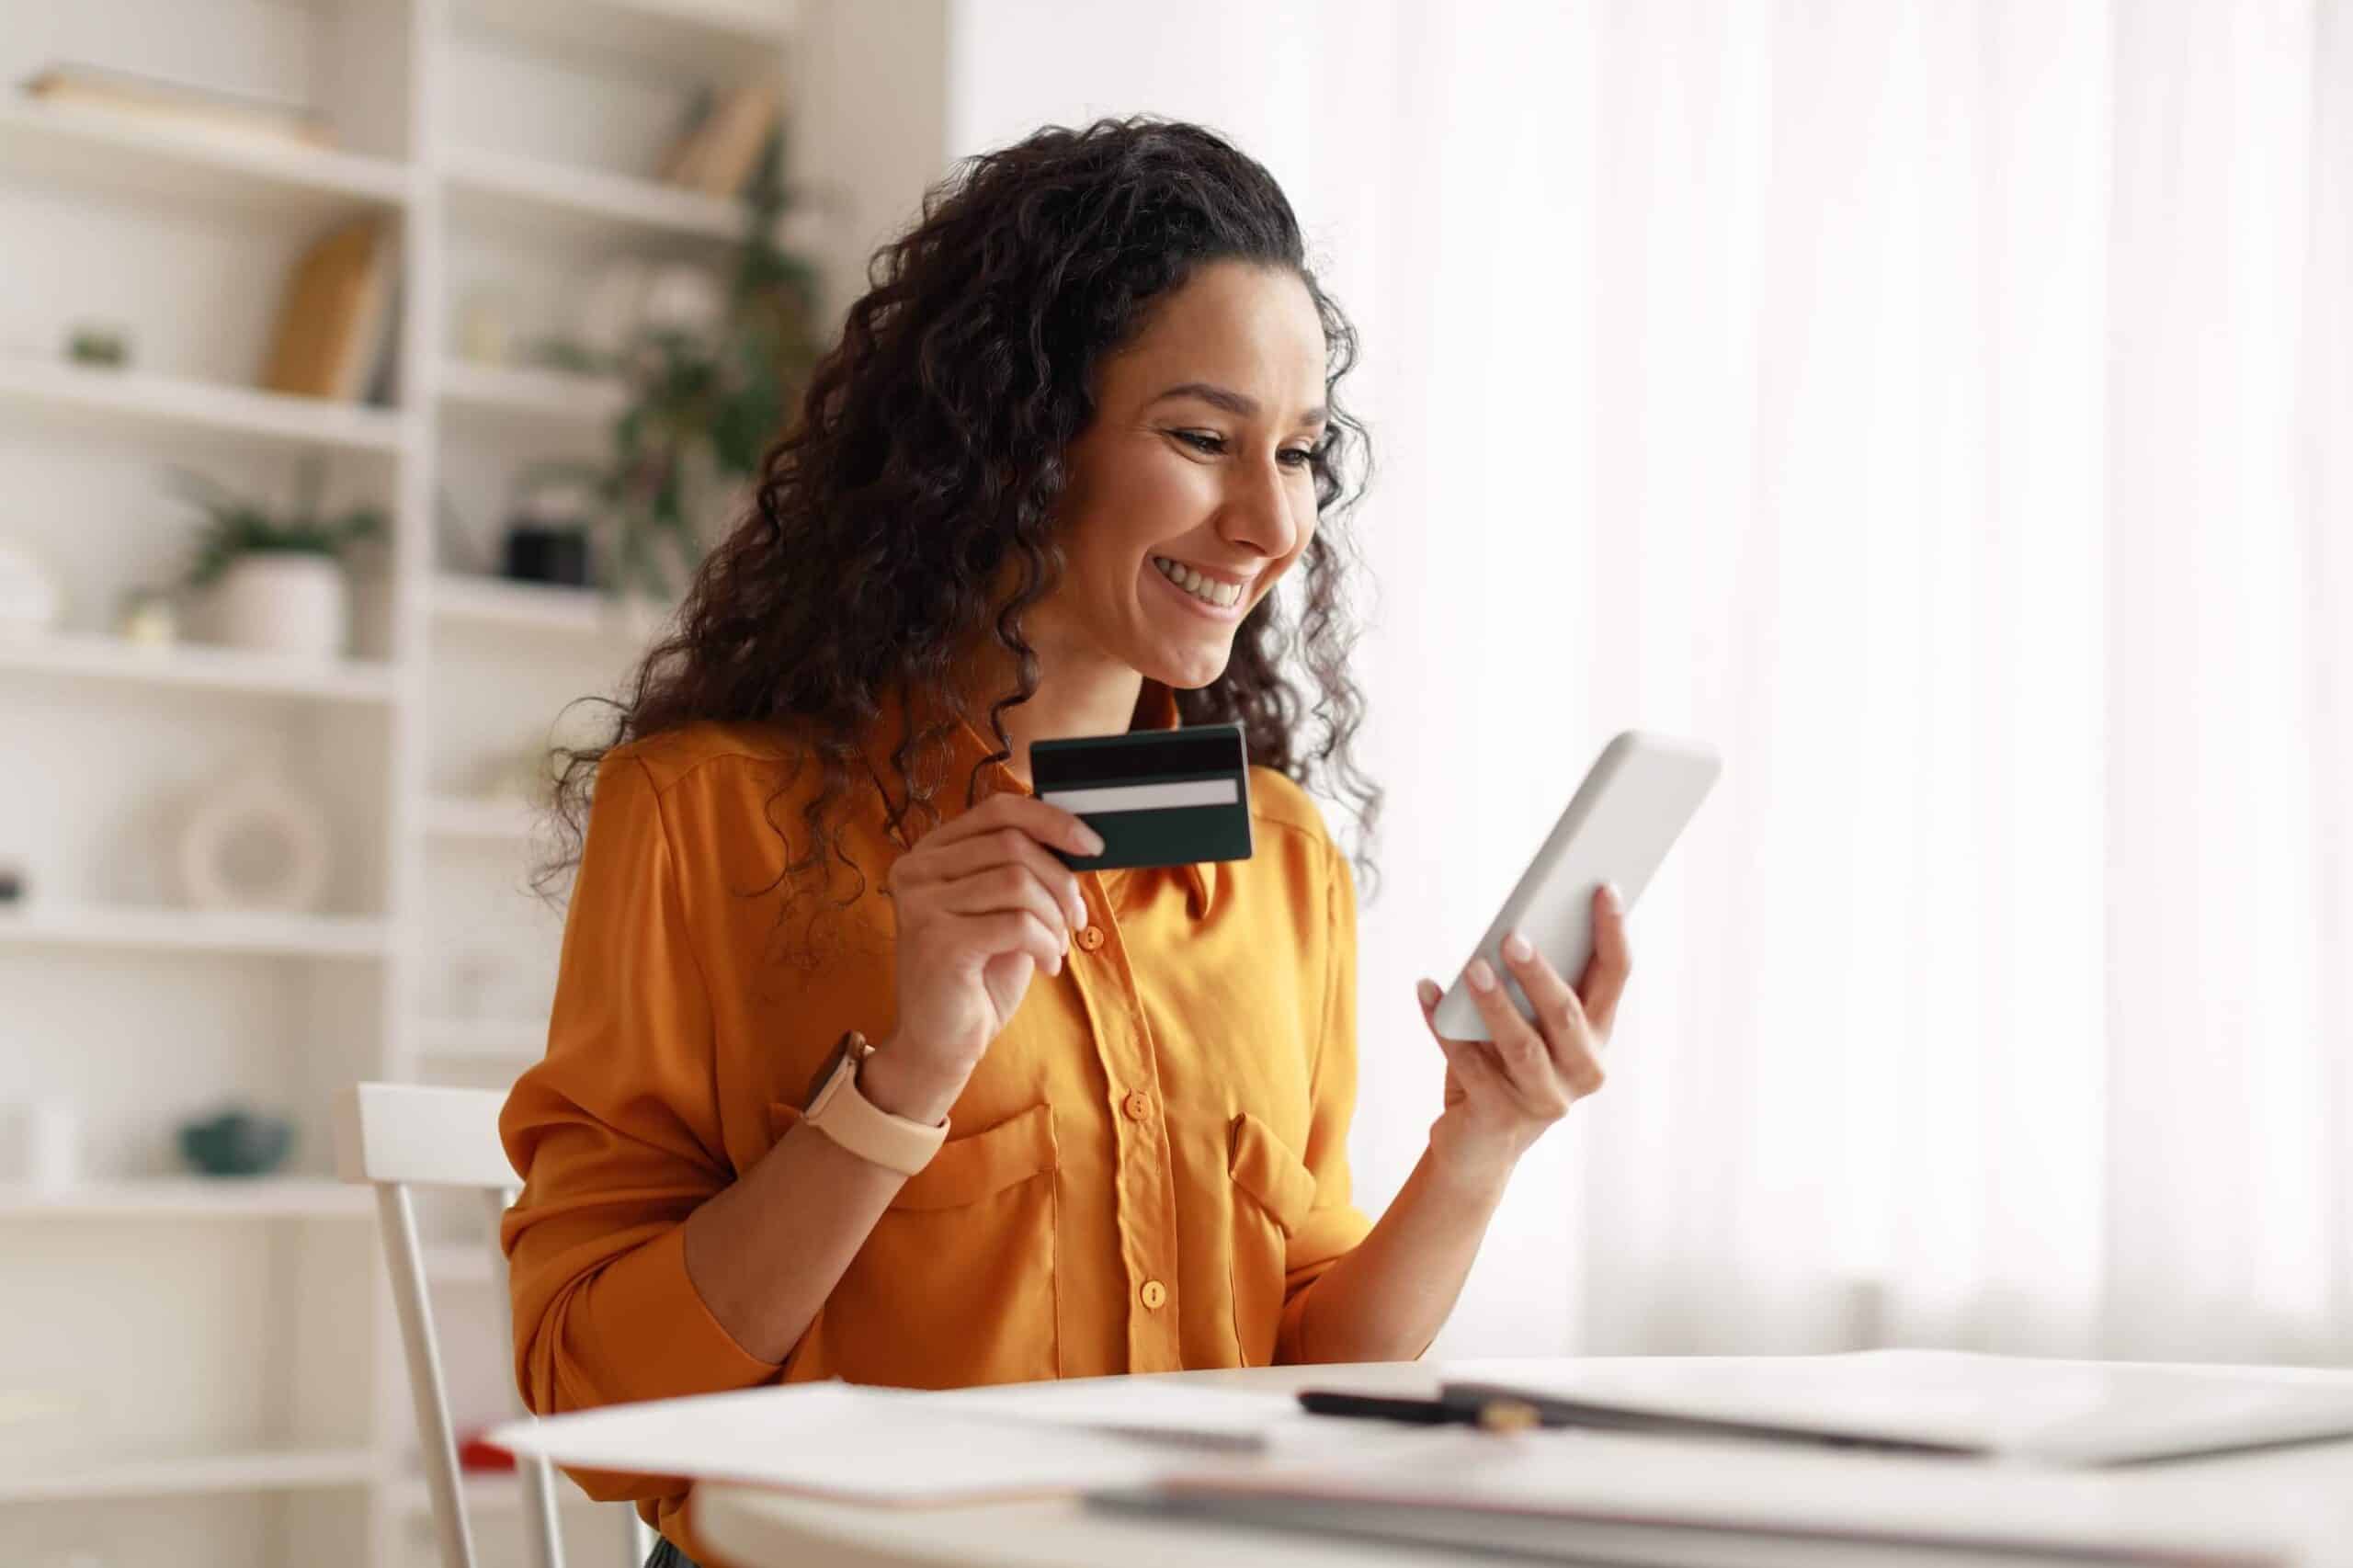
{"x": 237, "y": 1143}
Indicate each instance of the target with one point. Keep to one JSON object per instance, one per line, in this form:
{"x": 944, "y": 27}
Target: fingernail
{"x": 1091, "y": 842}
{"x": 1427, "y": 991}
{"x": 1515, "y": 947}
{"x": 1077, "y": 911}
{"x": 1616, "y": 900}
{"x": 1482, "y": 977}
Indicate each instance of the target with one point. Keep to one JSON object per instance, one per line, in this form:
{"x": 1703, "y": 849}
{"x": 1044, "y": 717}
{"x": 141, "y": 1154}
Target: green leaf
{"x": 235, "y": 526}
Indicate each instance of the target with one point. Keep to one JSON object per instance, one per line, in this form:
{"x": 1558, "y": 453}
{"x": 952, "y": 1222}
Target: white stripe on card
{"x": 1146, "y": 796}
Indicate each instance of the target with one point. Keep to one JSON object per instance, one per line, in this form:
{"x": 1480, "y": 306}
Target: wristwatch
{"x": 849, "y": 1118}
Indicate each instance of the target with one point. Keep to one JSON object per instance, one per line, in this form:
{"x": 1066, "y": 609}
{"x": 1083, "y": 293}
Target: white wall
{"x": 872, "y": 130}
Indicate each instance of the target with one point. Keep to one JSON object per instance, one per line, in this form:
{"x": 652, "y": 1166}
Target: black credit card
{"x": 1158, "y": 797}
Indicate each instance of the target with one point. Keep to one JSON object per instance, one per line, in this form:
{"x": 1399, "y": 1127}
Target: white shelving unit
{"x": 490, "y": 820}
{"x": 191, "y": 931}
{"x": 550, "y": 396}
{"x": 261, "y": 1470}
{"x": 93, "y": 657}
{"x": 534, "y": 607}
{"x": 458, "y": 1263}
{"x": 96, "y": 151}
{"x": 191, "y": 1197}
{"x": 132, "y": 398}
{"x": 262, "y": 1417}
{"x": 496, "y": 189}
{"x": 482, "y": 1039}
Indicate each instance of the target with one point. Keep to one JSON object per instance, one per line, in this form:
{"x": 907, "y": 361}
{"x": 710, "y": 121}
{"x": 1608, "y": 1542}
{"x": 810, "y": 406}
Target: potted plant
{"x": 704, "y": 399}
{"x": 275, "y": 582}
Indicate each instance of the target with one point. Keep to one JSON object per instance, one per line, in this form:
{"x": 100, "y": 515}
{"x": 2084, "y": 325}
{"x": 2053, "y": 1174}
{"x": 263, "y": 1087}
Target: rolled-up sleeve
{"x": 1334, "y": 1225}
{"x": 616, "y": 1134}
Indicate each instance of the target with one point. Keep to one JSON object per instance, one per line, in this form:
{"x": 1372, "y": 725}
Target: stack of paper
{"x": 1583, "y": 1498}
{"x": 1180, "y": 1451}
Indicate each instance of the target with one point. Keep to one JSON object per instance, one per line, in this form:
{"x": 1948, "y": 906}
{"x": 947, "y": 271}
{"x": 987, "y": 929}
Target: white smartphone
{"x": 1618, "y": 828}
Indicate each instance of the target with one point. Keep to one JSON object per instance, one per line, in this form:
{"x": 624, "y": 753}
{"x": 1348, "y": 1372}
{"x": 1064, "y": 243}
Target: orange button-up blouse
{"x": 1145, "y": 1174}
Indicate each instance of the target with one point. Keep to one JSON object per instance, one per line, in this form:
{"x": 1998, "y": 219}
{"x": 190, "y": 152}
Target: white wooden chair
{"x": 397, "y": 1137}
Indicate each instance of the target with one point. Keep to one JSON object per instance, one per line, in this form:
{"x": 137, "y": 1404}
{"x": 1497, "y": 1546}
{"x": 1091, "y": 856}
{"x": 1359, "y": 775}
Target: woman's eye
{"x": 1214, "y": 444}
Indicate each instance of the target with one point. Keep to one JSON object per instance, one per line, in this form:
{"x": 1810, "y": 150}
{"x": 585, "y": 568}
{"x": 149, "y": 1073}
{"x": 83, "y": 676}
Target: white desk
{"x": 2312, "y": 1485}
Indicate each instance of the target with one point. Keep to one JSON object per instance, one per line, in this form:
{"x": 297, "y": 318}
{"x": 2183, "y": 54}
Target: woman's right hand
{"x": 981, "y": 905}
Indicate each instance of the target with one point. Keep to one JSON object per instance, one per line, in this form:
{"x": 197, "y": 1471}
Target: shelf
{"x": 699, "y": 39}
{"x": 196, "y": 931}
{"x": 495, "y": 820}
{"x": 139, "y": 398}
{"x": 485, "y": 1489}
{"x": 191, "y": 1197}
{"x": 743, "y": 21}
{"x": 547, "y": 179}
{"x": 498, "y": 602}
{"x": 85, "y": 148}
{"x": 482, "y": 1039}
{"x": 259, "y": 1469}
{"x": 551, "y": 397}
{"x": 499, "y": 190}
{"x": 193, "y": 666}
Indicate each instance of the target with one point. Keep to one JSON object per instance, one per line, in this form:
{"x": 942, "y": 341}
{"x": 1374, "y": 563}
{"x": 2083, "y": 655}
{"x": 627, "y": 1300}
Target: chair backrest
{"x": 398, "y": 1137}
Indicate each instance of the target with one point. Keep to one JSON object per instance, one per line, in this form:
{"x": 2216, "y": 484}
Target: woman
{"x": 848, "y": 1075}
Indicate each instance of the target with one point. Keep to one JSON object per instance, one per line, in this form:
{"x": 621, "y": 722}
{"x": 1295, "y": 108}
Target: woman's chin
{"x": 1188, "y": 669}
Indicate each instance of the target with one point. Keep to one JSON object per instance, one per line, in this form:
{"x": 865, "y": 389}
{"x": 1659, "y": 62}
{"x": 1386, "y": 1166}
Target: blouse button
{"x": 1156, "y": 1294}
{"x": 1090, "y": 938}
{"x": 1138, "y": 1106}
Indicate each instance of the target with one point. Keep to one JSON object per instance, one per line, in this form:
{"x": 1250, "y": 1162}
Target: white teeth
{"x": 1207, "y": 589}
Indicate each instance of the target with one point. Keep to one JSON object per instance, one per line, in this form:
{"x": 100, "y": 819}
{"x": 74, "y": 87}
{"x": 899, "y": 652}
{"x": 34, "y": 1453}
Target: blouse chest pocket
{"x": 955, "y": 1284}
{"x": 1273, "y": 1191}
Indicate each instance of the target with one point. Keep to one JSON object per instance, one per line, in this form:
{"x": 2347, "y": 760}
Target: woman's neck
{"x": 1076, "y": 695}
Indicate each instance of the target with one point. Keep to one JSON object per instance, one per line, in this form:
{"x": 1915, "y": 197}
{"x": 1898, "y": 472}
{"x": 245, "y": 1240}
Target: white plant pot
{"x": 283, "y": 603}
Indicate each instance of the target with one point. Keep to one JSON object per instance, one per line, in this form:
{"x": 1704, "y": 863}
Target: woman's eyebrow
{"x": 1241, "y": 405}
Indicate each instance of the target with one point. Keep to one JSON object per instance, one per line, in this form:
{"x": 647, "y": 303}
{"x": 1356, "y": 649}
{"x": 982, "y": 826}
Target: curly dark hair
{"x": 909, "y": 512}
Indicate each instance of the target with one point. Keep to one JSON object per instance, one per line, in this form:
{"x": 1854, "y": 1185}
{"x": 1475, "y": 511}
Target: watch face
{"x": 848, "y": 1043}
{"x": 833, "y": 1064}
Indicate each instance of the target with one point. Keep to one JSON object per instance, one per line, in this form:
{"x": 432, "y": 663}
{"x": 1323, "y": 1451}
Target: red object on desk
{"x": 473, "y": 1453}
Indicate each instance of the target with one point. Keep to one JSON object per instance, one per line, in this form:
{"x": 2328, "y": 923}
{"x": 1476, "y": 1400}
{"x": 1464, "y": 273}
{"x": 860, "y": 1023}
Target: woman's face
{"x": 1190, "y": 496}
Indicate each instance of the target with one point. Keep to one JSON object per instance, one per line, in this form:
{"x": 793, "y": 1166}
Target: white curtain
{"x": 1945, "y": 410}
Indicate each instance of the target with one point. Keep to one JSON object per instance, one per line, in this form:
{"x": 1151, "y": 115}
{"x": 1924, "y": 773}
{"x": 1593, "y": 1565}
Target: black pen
{"x": 1487, "y": 1414}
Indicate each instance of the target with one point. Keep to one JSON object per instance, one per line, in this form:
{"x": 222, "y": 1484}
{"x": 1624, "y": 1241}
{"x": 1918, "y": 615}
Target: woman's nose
{"x": 1257, "y": 511}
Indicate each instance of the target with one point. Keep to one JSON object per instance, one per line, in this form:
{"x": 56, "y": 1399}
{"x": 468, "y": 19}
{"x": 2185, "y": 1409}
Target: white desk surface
{"x": 756, "y": 1527}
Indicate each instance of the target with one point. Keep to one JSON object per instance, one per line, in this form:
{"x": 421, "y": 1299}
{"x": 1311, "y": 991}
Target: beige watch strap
{"x": 865, "y": 1129}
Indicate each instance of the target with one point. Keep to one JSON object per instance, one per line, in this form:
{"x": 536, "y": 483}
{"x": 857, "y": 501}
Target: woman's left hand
{"x": 1502, "y": 1093}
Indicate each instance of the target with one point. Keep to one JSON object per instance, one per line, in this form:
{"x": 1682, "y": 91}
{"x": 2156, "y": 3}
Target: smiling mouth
{"x": 1209, "y": 590}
